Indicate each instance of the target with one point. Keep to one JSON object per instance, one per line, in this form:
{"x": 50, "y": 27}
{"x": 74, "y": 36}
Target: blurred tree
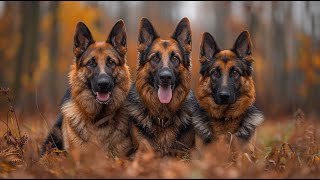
{"x": 95, "y": 5}
{"x": 53, "y": 51}
{"x": 27, "y": 55}
{"x": 284, "y": 36}
{"x": 293, "y": 74}
{"x": 123, "y": 10}
{"x": 9, "y": 39}
{"x": 222, "y": 12}
{"x": 252, "y": 16}
{"x": 313, "y": 97}
{"x": 279, "y": 53}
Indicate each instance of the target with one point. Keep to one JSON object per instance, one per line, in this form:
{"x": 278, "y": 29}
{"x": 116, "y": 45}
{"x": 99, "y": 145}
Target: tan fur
{"x": 80, "y": 111}
{"x": 150, "y": 97}
{"x": 229, "y": 111}
{"x": 167, "y": 127}
{"x": 166, "y": 137}
{"x": 232, "y": 113}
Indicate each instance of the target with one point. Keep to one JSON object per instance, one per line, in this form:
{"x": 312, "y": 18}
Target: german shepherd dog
{"x": 99, "y": 82}
{"x": 160, "y": 103}
{"x": 226, "y": 91}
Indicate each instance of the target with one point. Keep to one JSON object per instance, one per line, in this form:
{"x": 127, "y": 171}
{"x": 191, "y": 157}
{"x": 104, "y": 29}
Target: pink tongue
{"x": 103, "y": 97}
{"x": 165, "y": 94}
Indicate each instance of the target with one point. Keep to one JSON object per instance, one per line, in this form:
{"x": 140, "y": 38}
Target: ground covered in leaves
{"x": 285, "y": 147}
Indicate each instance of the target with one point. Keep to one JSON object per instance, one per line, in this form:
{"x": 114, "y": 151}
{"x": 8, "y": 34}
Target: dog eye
{"x": 234, "y": 73}
{"x": 92, "y": 62}
{"x": 110, "y": 62}
{"x": 175, "y": 59}
{"x": 155, "y": 59}
{"x": 216, "y": 73}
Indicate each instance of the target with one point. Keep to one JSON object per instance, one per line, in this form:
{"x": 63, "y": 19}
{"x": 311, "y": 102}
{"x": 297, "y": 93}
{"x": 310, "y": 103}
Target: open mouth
{"x": 165, "y": 94}
{"x": 102, "y": 97}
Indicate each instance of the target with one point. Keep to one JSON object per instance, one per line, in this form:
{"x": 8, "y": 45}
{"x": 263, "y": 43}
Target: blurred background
{"x": 36, "y": 40}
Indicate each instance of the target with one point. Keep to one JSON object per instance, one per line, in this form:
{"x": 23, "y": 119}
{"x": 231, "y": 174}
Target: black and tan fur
{"x": 86, "y": 121}
{"x": 166, "y": 126}
{"x": 226, "y": 91}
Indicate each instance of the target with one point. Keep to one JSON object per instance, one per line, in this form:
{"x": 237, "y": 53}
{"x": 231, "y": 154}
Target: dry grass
{"x": 281, "y": 148}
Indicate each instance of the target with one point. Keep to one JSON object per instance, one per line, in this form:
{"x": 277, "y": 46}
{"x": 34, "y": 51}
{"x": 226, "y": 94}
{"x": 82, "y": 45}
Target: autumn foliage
{"x": 289, "y": 149}
{"x": 36, "y": 54}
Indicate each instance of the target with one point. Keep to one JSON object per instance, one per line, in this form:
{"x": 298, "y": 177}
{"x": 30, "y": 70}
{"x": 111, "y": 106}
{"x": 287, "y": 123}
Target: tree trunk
{"x": 20, "y": 57}
{"x": 123, "y": 10}
{"x": 32, "y": 49}
{"x": 7, "y": 32}
{"x": 220, "y": 32}
{"x": 279, "y": 56}
{"x": 314, "y": 94}
{"x": 53, "y": 52}
{"x": 27, "y": 55}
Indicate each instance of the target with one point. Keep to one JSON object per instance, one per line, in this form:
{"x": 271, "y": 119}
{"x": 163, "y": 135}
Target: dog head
{"x": 164, "y": 63}
{"x": 99, "y": 64}
{"x": 226, "y": 75}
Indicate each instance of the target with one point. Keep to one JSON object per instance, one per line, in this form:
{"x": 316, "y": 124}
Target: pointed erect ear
{"x": 147, "y": 34}
{"x": 183, "y": 34}
{"x": 208, "y": 47}
{"x": 82, "y": 39}
{"x": 118, "y": 37}
{"x": 242, "y": 46}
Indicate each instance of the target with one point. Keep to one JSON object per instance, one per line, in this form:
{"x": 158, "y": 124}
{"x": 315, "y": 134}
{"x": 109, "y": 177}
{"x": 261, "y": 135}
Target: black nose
{"x": 103, "y": 83}
{"x": 165, "y": 76}
{"x": 224, "y": 95}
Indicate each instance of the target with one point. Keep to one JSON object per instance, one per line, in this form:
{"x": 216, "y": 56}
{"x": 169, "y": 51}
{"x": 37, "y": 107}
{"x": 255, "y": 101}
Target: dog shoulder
{"x": 252, "y": 119}
{"x": 254, "y": 116}
{"x": 66, "y": 97}
{"x": 133, "y": 103}
{"x": 133, "y": 95}
{"x": 54, "y": 139}
{"x": 200, "y": 120}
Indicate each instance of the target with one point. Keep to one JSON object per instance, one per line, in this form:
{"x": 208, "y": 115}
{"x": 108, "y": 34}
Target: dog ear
{"x": 242, "y": 46}
{"x": 183, "y": 34}
{"x": 208, "y": 49}
{"x": 118, "y": 37}
{"x": 82, "y": 39}
{"x": 147, "y": 34}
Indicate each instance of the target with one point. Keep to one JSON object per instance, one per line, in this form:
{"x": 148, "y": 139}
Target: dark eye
{"x": 216, "y": 73}
{"x": 234, "y": 73}
{"x": 175, "y": 59}
{"x": 92, "y": 62}
{"x": 155, "y": 59}
{"x": 110, "y": 62}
